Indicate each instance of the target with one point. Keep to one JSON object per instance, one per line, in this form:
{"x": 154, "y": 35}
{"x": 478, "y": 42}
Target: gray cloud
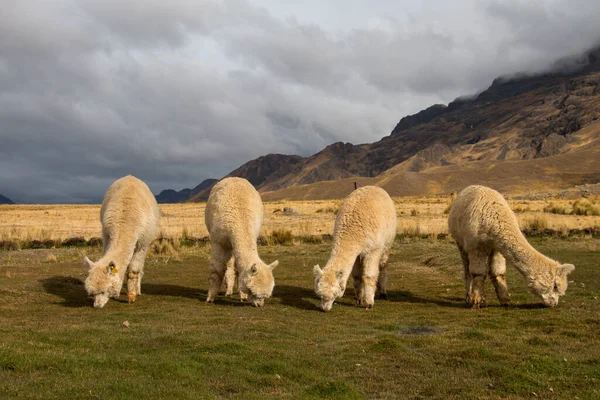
{"x": 176, "y": 92}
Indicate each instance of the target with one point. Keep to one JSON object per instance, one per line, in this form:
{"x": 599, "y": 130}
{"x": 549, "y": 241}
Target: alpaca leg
{"x": 478, "y": 269}
{"x": 242, "y": 289}
{"x": 497, "y": 265}
{"x": 370, "y": 276}
{"x": 383, "y": 275}
{"x": 219, "y": 256}
{"x": 467, "y": 275}
{"x": 357, "y": 271}
{"x": 230, "y": 277}
{"x": 135, "y": 271}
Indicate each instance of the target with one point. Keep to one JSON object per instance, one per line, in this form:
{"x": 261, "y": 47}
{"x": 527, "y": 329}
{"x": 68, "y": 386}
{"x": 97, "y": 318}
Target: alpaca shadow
{"x": 69, "y": 288}
{"x": 407, "y": 297}
{"x": 156, "y": 289}
{"x": 295, "y": 296}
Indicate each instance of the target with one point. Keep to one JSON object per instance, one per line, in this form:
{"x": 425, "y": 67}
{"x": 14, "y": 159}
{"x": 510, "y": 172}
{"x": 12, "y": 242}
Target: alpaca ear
{"x": 112, "y": 268}
{"x": 89, "y": 262}
{"x": 317, "y": 271}
{"x": 565, "y": 269}
{"x": 253, "y": 269}
{"x": 273, "y": 265}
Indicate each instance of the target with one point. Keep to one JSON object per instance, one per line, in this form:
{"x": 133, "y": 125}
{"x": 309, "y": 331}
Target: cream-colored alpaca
{"x": 234, "y": 215}
{"x": 365, "y": 228}
{"x": 129, "y": 217}
{"x": 486, "y": 231}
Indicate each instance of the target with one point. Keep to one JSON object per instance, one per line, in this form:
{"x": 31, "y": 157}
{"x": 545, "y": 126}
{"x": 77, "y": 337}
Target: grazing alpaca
{"x": 365, "y": 228}
{"x": 129, "y": 217}
{"x": 486, "y": 231}
{"x": 234, "y": 215}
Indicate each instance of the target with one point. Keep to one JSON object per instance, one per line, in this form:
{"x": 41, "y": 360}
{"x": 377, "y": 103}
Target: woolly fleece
{"x": 363, "y": 234}
{"x": 487, "y": 232}
{"x": 129, "y": 217}
{"x": 233, "y": 217}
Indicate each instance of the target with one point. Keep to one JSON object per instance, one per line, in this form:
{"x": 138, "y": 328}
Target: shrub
{"x": 311, "y": 239}
{"x": 281, "y": 236}
{"x": 556, "y": 209}
{"x": 95, "y": 242}
{"x": 75, "y": 241}
{"x": 585, "y": 207}
{"x": 538, "y": 222}
{"x": 9, "y": 245}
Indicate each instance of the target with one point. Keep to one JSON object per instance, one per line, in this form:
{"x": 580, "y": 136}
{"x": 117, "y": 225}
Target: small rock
{"x": 277, "y": 376}
{"x": 491, "y": 385}
{"x": 564, "y": 359}
{"x": 551, "y": 390}
{"x": 358, "y": 365}
{"x": 126, "y": 324}
{"x": 534, "y": 394}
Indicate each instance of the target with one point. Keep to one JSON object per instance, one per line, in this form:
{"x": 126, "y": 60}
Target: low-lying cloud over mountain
{"x": 176, "y": 92}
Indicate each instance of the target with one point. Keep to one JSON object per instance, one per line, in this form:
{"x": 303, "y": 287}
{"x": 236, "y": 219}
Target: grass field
{"x": 417, "y": 216}
{"x": 423, "y": 343}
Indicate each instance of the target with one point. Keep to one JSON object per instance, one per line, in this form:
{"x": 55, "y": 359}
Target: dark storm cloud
{"x": 176, "y": 92}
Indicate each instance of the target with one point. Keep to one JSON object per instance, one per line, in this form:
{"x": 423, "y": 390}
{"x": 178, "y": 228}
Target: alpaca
{"x": 233, "y": 217}
{"x": 487, "y": 233}
{"x": 129, "y": 217}
{"x": 365, "y": 228}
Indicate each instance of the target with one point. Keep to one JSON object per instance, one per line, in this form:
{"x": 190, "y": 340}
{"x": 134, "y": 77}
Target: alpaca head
{"x": 554, "y": 285}
{"x": 258, "y": 282}
{"x": 327, "y": 287}
{"x": 103, "y": 282}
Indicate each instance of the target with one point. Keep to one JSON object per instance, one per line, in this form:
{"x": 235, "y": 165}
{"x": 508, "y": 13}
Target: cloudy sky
{"x": 178, "y": 91}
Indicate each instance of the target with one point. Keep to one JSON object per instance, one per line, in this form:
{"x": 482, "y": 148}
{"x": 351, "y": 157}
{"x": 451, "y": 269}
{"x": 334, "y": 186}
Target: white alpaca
{"x": 364, "y": 231}
{"x": 129, "y": 217}
{"x": 234, "y": 215}
{"x": 486, "y": 231}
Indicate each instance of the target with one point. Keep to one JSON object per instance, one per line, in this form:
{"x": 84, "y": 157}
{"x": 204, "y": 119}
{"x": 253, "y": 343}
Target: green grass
{"x": 422, "y": 343}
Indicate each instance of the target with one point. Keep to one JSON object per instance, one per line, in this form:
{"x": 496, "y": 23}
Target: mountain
{"x": 5, "y": 200}
{"x": 517, "y": 119}
{"x": 258, "y": 171}
{"x": 172, "y": 196}
{"x": 523, "y": 132}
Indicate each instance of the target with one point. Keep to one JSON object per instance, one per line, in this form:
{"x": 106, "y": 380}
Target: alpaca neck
{"x": 120, "y": 251}
{"x": 245, "y": 251}
{"x": 341, "y": 261}
{"x": 527, "y": 260}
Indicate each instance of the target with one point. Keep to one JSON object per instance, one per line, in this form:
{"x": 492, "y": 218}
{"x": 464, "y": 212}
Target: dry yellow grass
{"x": 310, "y": 218}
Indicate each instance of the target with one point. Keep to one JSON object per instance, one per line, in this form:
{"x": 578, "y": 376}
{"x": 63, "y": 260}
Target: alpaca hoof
{"x": 476, "y": 301}
{"x": 131, "y": 297}
{"x": 229, "y": 294}
{"x": 383, "y": 296}
{"x": 369, "y": 307}
{"x": 358, "y": 302}
{"x": 210, "y": 300}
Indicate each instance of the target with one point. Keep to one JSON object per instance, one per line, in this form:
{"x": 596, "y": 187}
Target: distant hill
{"x": 5, "y": 200}
{"x": 173, "y": 196}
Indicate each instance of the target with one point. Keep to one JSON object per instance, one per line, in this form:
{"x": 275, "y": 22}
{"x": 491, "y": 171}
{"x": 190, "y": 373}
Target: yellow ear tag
{"x": 114, "y": 269}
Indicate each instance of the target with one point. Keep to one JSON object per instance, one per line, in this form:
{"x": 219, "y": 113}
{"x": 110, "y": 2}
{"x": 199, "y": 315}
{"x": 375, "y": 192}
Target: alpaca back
{"x": 234, "y": 210}
{"x": 129, "y": 210}
{"x": 365, "y": 220}
{"x": 480, "y": 214}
